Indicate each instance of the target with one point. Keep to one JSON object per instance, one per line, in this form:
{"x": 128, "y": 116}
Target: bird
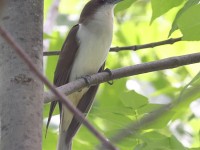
{"x": 83, "y": 53}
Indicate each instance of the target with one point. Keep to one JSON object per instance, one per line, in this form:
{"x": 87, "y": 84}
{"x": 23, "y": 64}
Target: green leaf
{"x": 151, "y": 140}
{"x": 111, "y": 121}
{"x": 124, "y": 5}
{"x": 189, "y": 93}
{"x": 189, "y": 23}
{"x": 133, "y": 100}
{"x": 127, "y": 143}
{"x": 47, "y": 36}
{"x": 175, "y": 144}
{"x": 161, "y": 121}
{"x": 193, "y": 82}
{"x": 84, "y": 140}
{"x": 148, "y": 108}
{"x": 187, "y": 5}
{"x": 49, "y": 143}
{"x": 160, "y": 7}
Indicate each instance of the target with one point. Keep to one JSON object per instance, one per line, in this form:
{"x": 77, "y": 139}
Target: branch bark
{"x": 168, "y": 63}
{"x": 133, "y": 48}
{"x": 20, "y": 91}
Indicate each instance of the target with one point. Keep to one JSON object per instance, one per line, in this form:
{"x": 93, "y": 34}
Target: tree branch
{"x": 149, "y": 45}
{"x": 62, "y": 98}
{"x": 167, "y": 63}
{"x": 134, "y": 48}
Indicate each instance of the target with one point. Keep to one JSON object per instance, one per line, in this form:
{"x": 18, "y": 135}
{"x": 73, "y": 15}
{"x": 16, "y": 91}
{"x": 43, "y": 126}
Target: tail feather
{"x": 66, "y": 118}
{"x": 63, "y": 144}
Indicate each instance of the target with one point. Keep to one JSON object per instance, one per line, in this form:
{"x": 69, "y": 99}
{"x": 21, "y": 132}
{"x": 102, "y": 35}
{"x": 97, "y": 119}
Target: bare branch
{"x": 51, "y": 53}
{"x": 167, "y": 63}
{"x": 62, "y": 98}
{"x": 149, "y": 45}
{"x": 134, "y": 48}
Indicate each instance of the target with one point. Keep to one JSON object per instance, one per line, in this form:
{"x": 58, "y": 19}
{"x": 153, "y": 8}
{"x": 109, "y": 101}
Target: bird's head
{"x": 107, "y": 2}
{"x": 93, "y": 6}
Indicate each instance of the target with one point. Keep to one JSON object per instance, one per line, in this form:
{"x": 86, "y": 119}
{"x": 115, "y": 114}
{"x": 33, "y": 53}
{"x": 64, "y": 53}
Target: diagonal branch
{"x": 133, "y": 48}
{"x": 20, "y": 51}
{"x": 167, "y": 63}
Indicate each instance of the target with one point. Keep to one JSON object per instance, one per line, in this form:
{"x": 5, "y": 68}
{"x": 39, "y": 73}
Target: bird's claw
{"x": 87, "y": 79}
{"x": 110, "y": 73}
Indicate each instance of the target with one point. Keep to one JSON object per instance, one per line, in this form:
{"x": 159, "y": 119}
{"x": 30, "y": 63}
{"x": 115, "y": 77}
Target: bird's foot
{"x": 87, "y": 79}
{"x": 111, "y": 75}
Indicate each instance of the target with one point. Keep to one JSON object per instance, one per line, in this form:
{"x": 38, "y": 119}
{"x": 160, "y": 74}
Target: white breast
{"x": 95, "y": 41}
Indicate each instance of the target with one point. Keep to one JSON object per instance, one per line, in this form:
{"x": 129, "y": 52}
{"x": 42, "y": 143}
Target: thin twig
{"x": 20, "y": 51}
{"x": 133, "y": 48}
{"x": 51, "y": 53}
{"x": 149, "y": 45}
{"x": 167, "y": 63}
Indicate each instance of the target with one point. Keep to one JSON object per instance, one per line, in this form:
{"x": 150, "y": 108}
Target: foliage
{"x": 133, "y": 98}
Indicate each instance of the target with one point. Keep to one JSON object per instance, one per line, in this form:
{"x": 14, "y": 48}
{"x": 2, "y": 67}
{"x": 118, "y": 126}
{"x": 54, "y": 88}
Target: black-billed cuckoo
{"x": 83, "y": 53}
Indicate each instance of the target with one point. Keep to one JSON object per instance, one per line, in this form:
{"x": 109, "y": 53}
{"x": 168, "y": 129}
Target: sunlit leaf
{"x": 49, "y": 142}
{"x": 124, "y": 5}
{"x": 189, "y": 93}
{"x": 133, "y": 100}
{"x": 159, "y": 7}
{"x": 189, "y": 23}
{"x": 46, "y": 36}
{"x": 165, "y": 143}
{"x": 187, "y": 5}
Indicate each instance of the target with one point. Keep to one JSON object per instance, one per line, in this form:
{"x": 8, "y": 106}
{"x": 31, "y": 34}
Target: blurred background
{"x": 129, "y": 99}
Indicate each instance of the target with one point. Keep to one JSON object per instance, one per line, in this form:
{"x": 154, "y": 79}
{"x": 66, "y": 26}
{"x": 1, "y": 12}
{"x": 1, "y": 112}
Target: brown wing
{"x": 66, "y": 58}
{"x": 84, "y": 106}
{"x": 65, "y": 61}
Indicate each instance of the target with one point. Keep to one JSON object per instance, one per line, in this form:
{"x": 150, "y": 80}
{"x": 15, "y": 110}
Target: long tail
{"x": 63, "y": 144}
